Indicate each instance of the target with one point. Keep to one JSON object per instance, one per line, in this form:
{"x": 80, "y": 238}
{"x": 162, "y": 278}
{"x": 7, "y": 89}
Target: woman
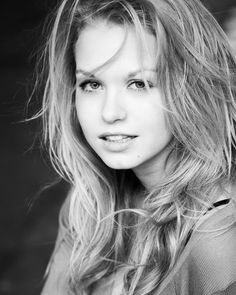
{"x": 139, "y": 115}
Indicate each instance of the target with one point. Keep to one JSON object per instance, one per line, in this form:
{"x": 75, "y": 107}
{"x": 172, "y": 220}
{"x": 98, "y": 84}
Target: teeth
{"x": 116, "y": 137}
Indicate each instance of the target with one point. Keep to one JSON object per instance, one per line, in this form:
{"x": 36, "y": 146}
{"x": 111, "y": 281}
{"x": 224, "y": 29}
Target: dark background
{"x": 28, "y": 210}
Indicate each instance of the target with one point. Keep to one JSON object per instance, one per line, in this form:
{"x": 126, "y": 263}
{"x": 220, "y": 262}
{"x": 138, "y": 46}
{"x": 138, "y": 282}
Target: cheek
{"x": 154, "y": 118}
{"x": 157, "y": 125}
{"x": 87, "y": 118}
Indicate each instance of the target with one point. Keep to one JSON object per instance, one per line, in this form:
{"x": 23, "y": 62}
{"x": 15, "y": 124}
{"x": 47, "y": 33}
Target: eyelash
{"x": 132, "y": 82}
{"x": 150, "y": 84}
{"x": 86, "y": 82}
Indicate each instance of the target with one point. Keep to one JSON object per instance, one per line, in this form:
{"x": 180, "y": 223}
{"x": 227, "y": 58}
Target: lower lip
{"x": 119, "y": 145}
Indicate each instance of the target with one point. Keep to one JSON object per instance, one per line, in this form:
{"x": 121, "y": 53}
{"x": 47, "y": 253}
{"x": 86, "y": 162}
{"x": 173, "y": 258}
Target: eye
{"x": 90, "y": 86}
{"x": 139, "y": 85}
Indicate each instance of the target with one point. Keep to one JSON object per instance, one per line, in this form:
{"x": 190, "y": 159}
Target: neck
{"x": 151, "y": 175}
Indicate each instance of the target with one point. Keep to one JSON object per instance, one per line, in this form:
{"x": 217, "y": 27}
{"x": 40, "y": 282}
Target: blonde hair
{"x": 196, "y": 72}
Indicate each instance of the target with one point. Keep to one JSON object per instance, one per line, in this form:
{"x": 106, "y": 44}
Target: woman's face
{"x": 122, "y": 120}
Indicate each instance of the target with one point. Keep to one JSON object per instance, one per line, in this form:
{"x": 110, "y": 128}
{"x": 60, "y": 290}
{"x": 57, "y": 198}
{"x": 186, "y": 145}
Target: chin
{"x": 119, "y": 165}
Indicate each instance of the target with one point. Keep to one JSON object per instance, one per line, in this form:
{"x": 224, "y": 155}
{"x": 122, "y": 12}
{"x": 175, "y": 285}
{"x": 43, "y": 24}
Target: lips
{"x": 116, "y": 137}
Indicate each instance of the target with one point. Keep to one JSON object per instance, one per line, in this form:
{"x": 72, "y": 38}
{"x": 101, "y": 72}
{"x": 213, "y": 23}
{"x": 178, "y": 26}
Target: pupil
{"x": 140, "y": 84}
{"x": 94, "y": 85}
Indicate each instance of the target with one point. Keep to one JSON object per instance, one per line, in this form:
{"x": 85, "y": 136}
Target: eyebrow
{"x": 130, "y": 75}
{"x": 84, "y": 73}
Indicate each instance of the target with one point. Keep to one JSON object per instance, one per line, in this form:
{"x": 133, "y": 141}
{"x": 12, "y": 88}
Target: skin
{"x": 114, "y": 99}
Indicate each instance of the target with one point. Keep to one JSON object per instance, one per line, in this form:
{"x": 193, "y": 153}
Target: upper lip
{"x": 115, "y": 134}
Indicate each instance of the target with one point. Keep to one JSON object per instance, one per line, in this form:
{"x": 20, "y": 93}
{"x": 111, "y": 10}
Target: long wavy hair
{"x": 197, "y": 74}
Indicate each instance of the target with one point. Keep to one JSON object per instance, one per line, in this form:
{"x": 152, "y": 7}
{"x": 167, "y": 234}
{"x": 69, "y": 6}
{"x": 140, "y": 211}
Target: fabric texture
{"x": 207, "y": 265}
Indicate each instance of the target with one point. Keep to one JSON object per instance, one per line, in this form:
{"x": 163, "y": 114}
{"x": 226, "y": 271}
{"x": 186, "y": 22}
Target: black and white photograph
{"x": 118, "y": 147}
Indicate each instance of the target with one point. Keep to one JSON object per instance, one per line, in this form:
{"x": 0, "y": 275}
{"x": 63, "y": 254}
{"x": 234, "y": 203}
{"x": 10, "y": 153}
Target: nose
{"x": 113, "y": 109}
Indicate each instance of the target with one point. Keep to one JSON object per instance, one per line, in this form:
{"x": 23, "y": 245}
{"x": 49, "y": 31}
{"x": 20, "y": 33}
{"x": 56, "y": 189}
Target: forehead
{"x": 101, "y": 41}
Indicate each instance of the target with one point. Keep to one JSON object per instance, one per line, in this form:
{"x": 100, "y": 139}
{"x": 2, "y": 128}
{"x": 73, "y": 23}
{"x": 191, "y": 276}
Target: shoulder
{"x": 213, "y": 251}
{"x": 64, "y": 233}
{"x": 207, "y": 265}
{"x": 57, "y": 269}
